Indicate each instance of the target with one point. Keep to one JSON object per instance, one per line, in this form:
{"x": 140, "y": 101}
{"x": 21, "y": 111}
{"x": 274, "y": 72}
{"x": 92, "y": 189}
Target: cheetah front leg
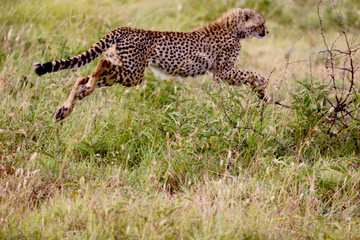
{"x": 238, "y": 77}
{"x": 224, "y": 68}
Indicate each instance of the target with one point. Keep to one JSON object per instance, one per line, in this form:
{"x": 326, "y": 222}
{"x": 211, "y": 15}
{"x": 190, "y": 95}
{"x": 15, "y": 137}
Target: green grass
{"x": 152, "y": 162}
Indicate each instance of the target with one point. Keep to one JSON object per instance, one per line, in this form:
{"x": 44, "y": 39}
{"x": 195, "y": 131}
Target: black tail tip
{"x": 39, "y": 69}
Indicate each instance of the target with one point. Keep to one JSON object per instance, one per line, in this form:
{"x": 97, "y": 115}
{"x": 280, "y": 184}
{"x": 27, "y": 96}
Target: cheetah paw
{"x": 62, "y": 113}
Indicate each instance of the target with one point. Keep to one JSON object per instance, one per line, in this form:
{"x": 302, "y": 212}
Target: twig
{"x": 332, "y": 75}
{"x": 283, "y": 105}
{"x": 242, "y": 142}
{"x": 340, "y": 139}
{"x": 286, "y": 67}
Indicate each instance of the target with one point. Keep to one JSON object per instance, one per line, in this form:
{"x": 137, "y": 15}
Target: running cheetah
{"x": 212, "y": 48}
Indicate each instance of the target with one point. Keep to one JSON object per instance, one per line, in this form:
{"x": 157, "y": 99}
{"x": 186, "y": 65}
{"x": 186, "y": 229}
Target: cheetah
{"x": 211, "y": 48}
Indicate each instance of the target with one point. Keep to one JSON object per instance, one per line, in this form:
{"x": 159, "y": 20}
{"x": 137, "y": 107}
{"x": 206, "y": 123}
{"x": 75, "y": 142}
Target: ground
{"x": 155, "y": 161}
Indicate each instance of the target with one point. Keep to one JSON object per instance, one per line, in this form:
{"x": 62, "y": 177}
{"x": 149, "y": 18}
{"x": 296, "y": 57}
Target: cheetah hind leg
{"x": 68, "y": 106}
{"x": 105, "y": 74}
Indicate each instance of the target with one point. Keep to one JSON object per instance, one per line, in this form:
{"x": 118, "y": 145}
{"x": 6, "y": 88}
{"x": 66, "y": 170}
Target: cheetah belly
{"x": 159, "y": 72}
{"x": 181, "y": 74}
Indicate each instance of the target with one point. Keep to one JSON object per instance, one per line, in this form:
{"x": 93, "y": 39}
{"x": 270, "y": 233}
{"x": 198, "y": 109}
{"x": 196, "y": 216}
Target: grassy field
{"x": 162, "y": 160}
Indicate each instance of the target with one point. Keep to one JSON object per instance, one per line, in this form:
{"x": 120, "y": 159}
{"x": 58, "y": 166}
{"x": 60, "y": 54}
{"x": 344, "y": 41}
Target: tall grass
{"x": 153, "y": 162}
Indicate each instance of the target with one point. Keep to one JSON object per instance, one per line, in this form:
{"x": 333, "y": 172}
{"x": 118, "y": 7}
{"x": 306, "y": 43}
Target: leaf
{"x": 307, "y": 86}
{"x": 70, "y": 184}
{"x": 307, "y": 101}
{"x": 339, "y": 168}
{"x": 172, "y": 210}
{"x": 320, "y": 86}
{"x": 47, "y": 154}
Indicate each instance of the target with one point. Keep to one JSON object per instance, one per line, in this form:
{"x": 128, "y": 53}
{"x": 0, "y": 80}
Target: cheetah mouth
{"x": 261, "y": 35}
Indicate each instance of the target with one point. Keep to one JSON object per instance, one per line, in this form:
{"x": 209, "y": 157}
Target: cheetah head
{"x": 251, "y": 24}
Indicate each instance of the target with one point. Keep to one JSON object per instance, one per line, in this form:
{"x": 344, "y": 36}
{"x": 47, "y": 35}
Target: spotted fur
{"x": 210, "y": 48}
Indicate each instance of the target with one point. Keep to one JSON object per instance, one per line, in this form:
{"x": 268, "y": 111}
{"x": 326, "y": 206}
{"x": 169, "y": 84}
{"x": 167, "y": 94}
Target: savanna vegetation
{"x": 182, "y": 159}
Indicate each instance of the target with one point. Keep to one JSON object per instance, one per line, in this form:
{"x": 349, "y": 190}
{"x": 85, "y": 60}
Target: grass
{"x": 153, "y": 162}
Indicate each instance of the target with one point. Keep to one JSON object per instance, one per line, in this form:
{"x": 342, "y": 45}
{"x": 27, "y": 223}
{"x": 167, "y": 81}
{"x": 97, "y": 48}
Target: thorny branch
{"x": 346, "y": 68}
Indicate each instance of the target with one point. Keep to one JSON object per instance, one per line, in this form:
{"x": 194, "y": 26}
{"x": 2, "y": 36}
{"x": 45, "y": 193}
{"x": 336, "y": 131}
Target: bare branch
{"x": 286, "y": 66}
{"x": 332, "y": 74}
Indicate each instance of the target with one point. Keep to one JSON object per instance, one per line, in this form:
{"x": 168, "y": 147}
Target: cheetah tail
{"x": 79, "y": 60}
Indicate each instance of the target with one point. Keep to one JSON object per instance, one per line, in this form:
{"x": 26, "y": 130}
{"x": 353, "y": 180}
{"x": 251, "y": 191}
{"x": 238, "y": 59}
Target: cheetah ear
{"x": 246, "y": 15}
